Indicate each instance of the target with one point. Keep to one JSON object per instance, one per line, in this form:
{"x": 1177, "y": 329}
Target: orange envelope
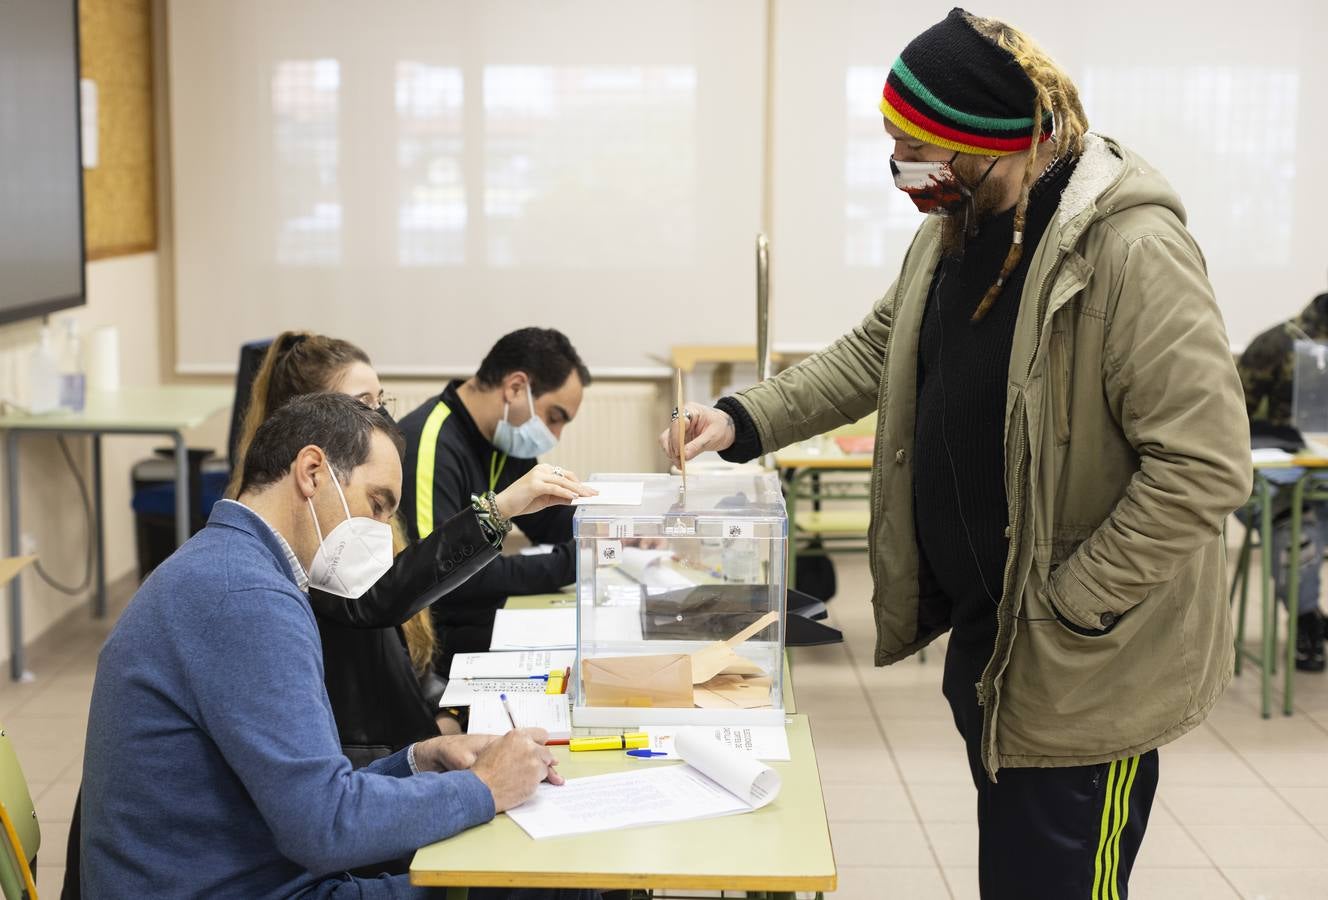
{"x": 734, "y": 692}
{"x": 663, "y": 680}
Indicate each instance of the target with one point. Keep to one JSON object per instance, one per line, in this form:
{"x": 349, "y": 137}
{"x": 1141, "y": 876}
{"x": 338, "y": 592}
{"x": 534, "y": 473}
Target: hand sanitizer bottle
{"x": 73, "y": 380}
{"x": 43, "y": 376}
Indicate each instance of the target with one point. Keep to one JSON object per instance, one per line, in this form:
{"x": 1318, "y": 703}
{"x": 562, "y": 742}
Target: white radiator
{"x": 614, "y": 431}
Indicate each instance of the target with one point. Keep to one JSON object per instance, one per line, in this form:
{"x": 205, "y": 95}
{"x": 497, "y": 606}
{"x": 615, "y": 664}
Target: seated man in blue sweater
{"x": 213, "y": 766}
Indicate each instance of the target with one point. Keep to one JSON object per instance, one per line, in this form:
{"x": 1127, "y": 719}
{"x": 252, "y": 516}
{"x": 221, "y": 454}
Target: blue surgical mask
{"x": 528, "y": 440}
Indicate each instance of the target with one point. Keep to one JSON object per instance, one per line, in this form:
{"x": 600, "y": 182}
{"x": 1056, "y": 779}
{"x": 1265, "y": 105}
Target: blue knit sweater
{"x": 213, "y": 766}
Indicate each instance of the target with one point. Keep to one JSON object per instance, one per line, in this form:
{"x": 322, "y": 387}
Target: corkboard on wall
{"x": 119, "y": 195}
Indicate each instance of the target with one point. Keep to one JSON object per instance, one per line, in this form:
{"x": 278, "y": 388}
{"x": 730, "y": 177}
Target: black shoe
{"x": 1309, "y": 642}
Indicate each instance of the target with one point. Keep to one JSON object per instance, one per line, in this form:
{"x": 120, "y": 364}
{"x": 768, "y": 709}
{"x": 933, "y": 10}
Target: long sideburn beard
{"x": 985, "y": 201}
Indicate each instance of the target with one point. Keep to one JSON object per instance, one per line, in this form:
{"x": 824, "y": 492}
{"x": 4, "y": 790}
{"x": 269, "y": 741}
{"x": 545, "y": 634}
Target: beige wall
{"x": 123, "y": 292}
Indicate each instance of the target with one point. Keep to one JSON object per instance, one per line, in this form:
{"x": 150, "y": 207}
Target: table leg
{"x": 1293, "y": 590}
{"x": 98, "y": 532}
{"x": 182, "y": 523}
{"x": 458, "y": 893}
{"x": 1269, "y": 601}
{"x": 791, "y": 503}
{"x": 16, "y": 672}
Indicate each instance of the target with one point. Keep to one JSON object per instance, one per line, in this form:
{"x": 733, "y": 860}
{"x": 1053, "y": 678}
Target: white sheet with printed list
{"x": 510, "y": 664}
{"x": 716, "y": 781}
{"x": 552, "y": 712}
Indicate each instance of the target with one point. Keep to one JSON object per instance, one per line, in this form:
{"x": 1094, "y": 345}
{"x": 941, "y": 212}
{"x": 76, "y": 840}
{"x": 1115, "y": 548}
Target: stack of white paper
{"x": 534, "y": 629}
{"x": 768, "y": 742}
{"x": 1269, "y": 455}
{"x": 510, "y": 664}
{"x": 717, "y": 781}
{"x": 510, "y": 672}
{"x": 552, "y": 712}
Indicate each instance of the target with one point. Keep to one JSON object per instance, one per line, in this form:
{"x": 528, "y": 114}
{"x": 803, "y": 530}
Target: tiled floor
{"x": 1242, "y": 808}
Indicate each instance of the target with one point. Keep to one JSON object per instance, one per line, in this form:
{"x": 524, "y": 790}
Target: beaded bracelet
{"x": 493, "y": 523}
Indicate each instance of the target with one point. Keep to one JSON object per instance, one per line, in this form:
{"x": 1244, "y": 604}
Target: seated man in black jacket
{"x": 481, "y": 435}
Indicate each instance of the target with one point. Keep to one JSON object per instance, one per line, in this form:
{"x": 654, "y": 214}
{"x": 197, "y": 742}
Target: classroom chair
{"x": 1312, "y": 487}
{"x": 22, "y": 832}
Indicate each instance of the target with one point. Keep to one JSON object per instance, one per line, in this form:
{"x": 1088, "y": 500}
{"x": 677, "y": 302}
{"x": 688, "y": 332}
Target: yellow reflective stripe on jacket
{"x": 496, "y": 469}
{"x": 424, "y": 469}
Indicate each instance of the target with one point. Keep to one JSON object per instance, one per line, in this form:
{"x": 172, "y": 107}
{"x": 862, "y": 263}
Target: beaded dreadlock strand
{"x": 1055, "y": 93}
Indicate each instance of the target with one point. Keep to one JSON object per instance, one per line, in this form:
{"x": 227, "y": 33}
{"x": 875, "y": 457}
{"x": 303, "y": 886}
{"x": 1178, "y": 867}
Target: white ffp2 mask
{"x": 353, "y": 556}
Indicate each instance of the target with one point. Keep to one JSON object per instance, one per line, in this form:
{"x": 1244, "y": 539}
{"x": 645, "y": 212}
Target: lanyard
{"x": 496, "y": 468}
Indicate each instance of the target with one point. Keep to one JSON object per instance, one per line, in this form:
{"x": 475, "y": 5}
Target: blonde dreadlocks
{"x": 1055, "y": 93}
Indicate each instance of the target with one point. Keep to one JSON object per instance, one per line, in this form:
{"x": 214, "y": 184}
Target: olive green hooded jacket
{"x": 1126, "y": 447}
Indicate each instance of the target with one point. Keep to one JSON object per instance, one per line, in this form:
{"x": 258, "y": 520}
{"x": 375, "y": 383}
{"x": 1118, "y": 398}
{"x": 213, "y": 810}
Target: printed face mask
{"x": 934, "y": 187}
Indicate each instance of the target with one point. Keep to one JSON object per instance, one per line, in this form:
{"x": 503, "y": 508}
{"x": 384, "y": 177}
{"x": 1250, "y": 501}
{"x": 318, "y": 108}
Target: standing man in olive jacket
{"x": 1061, "y": 435}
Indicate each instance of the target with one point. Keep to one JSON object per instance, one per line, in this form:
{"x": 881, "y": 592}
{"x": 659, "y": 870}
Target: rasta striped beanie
{"x": 954, "y": 88}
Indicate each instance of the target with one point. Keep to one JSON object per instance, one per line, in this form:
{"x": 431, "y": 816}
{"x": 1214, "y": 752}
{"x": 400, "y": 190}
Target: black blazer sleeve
{"x": 423, "y": 572}
{"x": 514, "y": 575}
{"x": 551, "y": 525}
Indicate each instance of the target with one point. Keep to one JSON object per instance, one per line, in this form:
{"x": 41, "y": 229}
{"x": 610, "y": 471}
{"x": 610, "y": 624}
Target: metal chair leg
{"x": 1268, "y": 601}
{"x": 1293, "y": 591}
{"x": 1241, "y": 582}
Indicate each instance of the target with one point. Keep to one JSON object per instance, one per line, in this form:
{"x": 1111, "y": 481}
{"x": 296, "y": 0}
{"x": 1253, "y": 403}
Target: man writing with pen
{"x": 213, "y": 765}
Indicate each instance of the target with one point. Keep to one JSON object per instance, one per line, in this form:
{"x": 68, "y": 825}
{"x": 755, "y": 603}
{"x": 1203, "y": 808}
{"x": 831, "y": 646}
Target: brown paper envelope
{"x": 663, "y": 680}
{"x": 741, "y": 665}
{"x": 734, "y": 692}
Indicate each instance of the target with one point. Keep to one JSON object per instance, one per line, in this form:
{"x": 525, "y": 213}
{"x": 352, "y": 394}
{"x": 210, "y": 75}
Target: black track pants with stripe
{"x": 1058, "y": 834}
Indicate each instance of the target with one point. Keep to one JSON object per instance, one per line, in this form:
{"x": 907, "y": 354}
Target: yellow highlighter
{"x": 634, "y": 741}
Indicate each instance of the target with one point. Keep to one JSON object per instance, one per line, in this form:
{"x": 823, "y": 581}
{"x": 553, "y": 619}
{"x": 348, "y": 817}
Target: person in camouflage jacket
{"x": 1266, "y": 365}
{"x": 1266, "y": 372}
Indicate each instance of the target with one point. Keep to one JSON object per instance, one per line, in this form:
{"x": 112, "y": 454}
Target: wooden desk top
{"x": 783, "y": 847}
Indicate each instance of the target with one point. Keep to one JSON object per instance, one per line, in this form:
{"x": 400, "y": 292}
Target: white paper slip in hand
{"x": 534, "y": 629}
{"x": 613, "y": 493}
{"x": 717, "y": 781}
{"x": 552, "y": 712}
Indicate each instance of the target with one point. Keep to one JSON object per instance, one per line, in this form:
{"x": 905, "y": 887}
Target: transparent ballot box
{"x": 1309, "y": 394}
{"x": 680, "y": 601}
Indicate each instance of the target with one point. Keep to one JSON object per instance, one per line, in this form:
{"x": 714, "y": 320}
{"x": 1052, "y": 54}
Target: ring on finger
{"x": 557, "y": 472}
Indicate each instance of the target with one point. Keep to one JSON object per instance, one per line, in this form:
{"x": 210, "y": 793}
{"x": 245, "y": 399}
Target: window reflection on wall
{"x": 431, "y": 216}
{"x": 1238, "y": 125}
{"x": 876, "y": 214}
{"x": 305, "y": 112}
{"x": 590, "y": 166}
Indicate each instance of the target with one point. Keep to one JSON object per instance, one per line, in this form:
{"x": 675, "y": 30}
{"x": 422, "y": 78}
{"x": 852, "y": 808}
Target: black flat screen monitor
{"x": 41, "y": 176}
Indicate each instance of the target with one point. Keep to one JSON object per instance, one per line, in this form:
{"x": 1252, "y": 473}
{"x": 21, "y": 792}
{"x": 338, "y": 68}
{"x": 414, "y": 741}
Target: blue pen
{"x": 645, "y": 754}
{"x": 508, "y": 709}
